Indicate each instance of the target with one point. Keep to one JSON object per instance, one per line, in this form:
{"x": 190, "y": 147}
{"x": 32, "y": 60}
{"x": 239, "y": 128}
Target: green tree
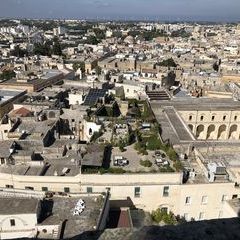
{"x": 92, "y": 40}
{"x": 18, "y": 52}
{"x": 172, "y": 154}
{"x": 160, "y": 215}
{"x": 98, "y": 70}
{"x": 121, "y": 145}
{"x": 56, "y": 47}
{"x": 79, "y": 65}
{"x": 146, "y": 163}
{"x": 167, "y": 63}
{"x": 8, "y": 74}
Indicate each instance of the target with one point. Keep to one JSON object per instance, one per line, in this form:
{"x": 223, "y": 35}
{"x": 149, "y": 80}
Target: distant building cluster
{"x": 107, "y": 124}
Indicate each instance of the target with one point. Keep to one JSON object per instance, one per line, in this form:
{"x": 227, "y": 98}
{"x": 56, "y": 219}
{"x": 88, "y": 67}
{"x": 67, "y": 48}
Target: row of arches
{"x": 214, "y": 132}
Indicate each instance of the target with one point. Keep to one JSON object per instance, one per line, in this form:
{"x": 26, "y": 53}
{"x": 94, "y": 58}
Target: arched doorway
{"x": 222, "y": 132}
{"x": 211, "y": 132}
{"x": 200, "y": 131}
{"x": 233, "y": 132}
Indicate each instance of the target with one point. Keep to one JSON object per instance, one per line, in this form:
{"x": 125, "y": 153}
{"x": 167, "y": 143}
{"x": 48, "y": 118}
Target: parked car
{"x": 120, "y": 161}
{"x": 161, "y": 162}
{"x": 159, "y": 154}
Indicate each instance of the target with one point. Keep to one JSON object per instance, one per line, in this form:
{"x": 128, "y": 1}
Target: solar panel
{"x": 93, "y": 96}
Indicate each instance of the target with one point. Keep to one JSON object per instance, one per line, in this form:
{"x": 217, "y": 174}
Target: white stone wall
{"x": 151, "y": 190}
{"x": 24, "y": 226}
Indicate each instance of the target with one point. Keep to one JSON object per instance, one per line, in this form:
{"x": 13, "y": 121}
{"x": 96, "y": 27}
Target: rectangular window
{"x": 9, "y": 186}
{"x": 188, "y": 200}
{"x": 89, "y": 190}
{"x": 234, "y": 196}
{"x": 201, "y": 215}
{"x": 29, "y": 188}
{"x": 224, "y": 198}
{"x": 137, "y": 192}
{"x": 166, "y": 191}
{"x": 2, "y": 161}
{"x": 44, "y": 189}
{"x": 12, "y": 222}
{"x": 204, "y": 199}
{"x": 66, "y": 189}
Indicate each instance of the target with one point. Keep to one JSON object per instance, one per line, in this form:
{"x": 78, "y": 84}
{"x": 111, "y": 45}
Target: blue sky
{"x": 220, "y": 10}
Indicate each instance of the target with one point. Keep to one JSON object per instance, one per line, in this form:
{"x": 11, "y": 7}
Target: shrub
{"x": 146, "y": 163}
{"x": 161, "y": 215}
{"x": 116, "y": 170}
{"x": 166, "y": 169}
{"x": 153, "y": 143}
{"x": 172, "y": 154}
{"x": 121, "y": 145}
{"x": 178, "y": 165}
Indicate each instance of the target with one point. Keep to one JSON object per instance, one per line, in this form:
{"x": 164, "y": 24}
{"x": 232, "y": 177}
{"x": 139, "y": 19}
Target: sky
{"x": 170, "y": 10}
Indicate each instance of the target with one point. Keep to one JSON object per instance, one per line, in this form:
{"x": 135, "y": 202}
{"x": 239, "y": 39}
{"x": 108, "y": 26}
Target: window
{"x": 9, "y": 186}
{"x": 165, "y": 191}
{"x": 89, "y": 190}
{"x": 5, "y": 131}
{"x": 90, "y": 131}
{"x": 29, "y": 188}
{"x": 12, "y": 222}
{"x": 73, "y": 120}
{"x": 190, "y": 118}
{"x": 201, "y": 215}
{"x": 224, "y": 198}
{"x": 137, "y": 192}
{"x": 164, "y": 209}
{"x": 224, "y": 118}
{"x": 201, "y": 118}
{"x": 2, "y": 161}
{"x": 235, "y": 118}
{"x": 204, "y": 199}
{"x": 213, "y": 117}
{"x": 188, "y": 200}
{"x": 234, "y": 196}
{"x": 66, "y": 189}
{"x": 44, "y": 189}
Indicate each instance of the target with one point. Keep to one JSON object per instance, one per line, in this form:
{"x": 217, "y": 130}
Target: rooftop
{"x": 75, "y": 225}
{"x": 9, "y": 206}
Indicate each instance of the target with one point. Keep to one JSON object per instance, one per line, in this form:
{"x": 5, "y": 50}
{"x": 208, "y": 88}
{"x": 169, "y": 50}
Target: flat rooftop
{"x": 14, "y": 205}
{"x": 200, "y": 104}
{"x": 75, "y": 225}
{"x": 6, "y": 95}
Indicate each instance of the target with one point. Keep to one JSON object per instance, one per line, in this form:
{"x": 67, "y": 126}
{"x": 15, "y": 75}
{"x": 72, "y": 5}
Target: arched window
{"x": 90, "y": 131}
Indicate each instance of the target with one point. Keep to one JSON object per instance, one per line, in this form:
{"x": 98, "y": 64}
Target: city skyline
{"x": 173, "y": 10}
